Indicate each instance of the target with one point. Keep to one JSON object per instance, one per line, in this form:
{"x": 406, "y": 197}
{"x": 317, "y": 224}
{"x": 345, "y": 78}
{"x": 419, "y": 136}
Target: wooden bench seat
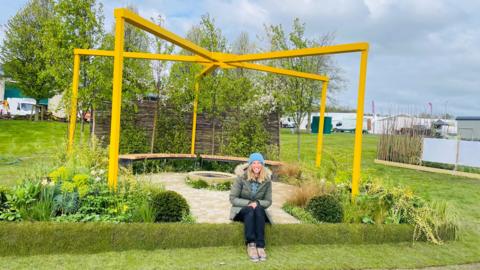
{"x": 129, "y": 158}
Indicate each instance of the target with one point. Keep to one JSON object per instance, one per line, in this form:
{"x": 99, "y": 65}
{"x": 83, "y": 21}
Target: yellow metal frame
{"x": 212, "y": 61}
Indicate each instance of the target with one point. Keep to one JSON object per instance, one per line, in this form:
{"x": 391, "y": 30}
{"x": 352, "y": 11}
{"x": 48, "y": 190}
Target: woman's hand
{"x": 252, "y": 204}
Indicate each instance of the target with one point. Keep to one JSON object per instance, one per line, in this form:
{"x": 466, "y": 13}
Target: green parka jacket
{"x": 240, "y": 193}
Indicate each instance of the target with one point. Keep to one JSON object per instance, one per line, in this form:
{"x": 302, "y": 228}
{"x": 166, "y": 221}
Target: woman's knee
{"x": 259, "y": 210}
{"x": 247, "y": 211}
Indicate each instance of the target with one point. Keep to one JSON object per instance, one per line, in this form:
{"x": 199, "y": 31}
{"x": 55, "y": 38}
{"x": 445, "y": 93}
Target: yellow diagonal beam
{"x": 280, "y": 71}
{"x": 159, "y": 31}
{"x": 321, "y": 124}
{"x": 335, "y": 49}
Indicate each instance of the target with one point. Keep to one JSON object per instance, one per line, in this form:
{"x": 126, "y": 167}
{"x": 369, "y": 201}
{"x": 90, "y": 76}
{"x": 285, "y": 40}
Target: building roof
{"x": 467, "y": 118}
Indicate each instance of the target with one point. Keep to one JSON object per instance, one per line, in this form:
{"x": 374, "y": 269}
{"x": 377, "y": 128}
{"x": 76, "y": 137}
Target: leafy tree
{"x": 78, "y": 24}
{"x": 159, "y": 69}
{"x": 298, "y": 96}
{"x": 38, "y": 50}
{"x": 23, "y": 50}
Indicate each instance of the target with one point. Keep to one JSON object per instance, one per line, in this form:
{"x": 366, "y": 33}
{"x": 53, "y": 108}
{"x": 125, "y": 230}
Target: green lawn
{"x": 25, "y": 145}
{"x": 36, "y": 142}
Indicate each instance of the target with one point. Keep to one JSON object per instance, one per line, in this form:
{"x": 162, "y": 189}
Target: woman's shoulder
{"x": 241, "y": 170}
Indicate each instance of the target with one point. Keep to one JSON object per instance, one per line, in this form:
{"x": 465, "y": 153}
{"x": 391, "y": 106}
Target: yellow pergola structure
{"x": 210, "y": 61}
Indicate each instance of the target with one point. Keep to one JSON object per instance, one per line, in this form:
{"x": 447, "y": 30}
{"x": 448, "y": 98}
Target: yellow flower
{"x": 80, "y": 180}
{"x": 82, "y": 190}
{"x": 61, "y": 173}
{"x": 67, "y": 187}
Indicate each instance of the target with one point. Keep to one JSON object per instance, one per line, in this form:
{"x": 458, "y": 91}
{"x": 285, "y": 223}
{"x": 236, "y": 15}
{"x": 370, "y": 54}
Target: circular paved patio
{"x": 209, "y": 206}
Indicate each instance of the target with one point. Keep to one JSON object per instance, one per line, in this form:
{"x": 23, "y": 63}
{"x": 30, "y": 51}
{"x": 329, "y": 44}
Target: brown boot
{"x": 252, "y": 252}
{"x": 262, "y": 255}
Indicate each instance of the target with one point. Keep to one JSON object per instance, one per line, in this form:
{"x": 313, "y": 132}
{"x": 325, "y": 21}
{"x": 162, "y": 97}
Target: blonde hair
{"x": 262, "y": 176}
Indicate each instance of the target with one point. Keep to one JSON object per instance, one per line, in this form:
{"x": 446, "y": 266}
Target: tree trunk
{"x": 154, "y": 128}
{"x": 36, "y": 113}
{"x": 213, "y": 136}
{"x": 92, "y": 123}
{"x": 298, "y": 118}
{"x": 82, "y": 126}
{"x": 298, "y": 143}
{"x": 309, "y": 122}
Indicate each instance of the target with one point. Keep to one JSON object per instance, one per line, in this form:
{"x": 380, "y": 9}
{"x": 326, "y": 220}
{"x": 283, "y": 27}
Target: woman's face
{"x": 256, "y": 167}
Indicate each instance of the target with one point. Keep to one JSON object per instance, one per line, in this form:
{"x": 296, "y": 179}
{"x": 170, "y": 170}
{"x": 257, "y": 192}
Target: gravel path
{"x": 209, "y": 206}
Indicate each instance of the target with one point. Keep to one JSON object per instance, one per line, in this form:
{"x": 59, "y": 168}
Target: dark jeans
{"x": 254, "y": 224}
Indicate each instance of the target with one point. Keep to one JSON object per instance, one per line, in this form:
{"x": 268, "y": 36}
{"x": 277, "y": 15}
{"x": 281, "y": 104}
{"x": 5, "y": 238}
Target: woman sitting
{"x": 250, "y": 196}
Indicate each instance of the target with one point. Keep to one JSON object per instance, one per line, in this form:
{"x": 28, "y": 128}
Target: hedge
{"x": 29, "y": 238}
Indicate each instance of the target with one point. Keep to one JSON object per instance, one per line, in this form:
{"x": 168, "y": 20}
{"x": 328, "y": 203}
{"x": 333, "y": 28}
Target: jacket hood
{"x": 241, "y": 170}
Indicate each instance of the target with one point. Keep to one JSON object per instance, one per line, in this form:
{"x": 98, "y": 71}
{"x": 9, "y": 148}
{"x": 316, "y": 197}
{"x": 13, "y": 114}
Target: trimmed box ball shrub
{"x": 326, "y": 208}
{"x": 169, "y": 206}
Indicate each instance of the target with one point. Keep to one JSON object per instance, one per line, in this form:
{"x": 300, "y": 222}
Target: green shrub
{"x": 326, "y": 208}
{"x": 378, "y": 204}
{"x": 198, "y": 184}
{"x": 169, "y": 206}
{"x": 25, "y": 194}
{"x": 42, "y": 210}
{"x": 100, "y": 200}
{"x": 300, "y": 214}
{"x": 202, "y": 184}
{"x": 221, "y": 186}
{"x": 144, "y": 212}
{"x": 60, "y": 174}
{"x": 66, "y": 203}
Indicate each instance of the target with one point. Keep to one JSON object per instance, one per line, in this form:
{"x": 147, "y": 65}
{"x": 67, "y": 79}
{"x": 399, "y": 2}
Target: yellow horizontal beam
{"x": 140, "y": 55}
{"x": 346, "y": 48}
{"x": 281, "y": 71}
{"x": 158, "y": 31}
{"x": 93, "y": 52}
{"x": 166, "y": 57}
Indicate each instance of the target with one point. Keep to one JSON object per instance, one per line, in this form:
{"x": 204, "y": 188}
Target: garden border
{"x": 427, "y": 169}
{"x": 30, "y": 238}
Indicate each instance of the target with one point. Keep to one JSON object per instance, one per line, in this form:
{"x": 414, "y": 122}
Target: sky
{"x": 421, "y": 51}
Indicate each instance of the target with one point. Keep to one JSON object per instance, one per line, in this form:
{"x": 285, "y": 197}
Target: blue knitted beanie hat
{"x": 256, "y": 157}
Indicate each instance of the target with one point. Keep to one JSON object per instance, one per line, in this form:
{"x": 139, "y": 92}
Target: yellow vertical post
{"x": 73, "y": 106}
{"x": 194, "y": 121}
{"x": 116, "y": 102}
{"x": 357, "y": 155}
{"x": 321, "y": 124}
{"x": 198, "y": 77}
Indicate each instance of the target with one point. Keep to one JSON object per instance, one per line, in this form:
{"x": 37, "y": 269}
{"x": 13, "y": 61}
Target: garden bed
{"x": 29, "y": 238}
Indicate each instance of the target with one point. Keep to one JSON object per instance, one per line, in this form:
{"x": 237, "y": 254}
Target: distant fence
{"x": 143, "y": 119}
{"x": 456, "y": 152}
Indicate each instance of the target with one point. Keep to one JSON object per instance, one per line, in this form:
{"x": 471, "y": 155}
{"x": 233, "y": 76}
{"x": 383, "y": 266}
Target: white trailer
{"x": 19, "y": 106}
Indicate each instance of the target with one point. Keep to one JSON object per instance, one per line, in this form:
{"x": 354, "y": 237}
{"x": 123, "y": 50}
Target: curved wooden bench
{"x": 238, "y": 159}
{"x": 129, "y": 158}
